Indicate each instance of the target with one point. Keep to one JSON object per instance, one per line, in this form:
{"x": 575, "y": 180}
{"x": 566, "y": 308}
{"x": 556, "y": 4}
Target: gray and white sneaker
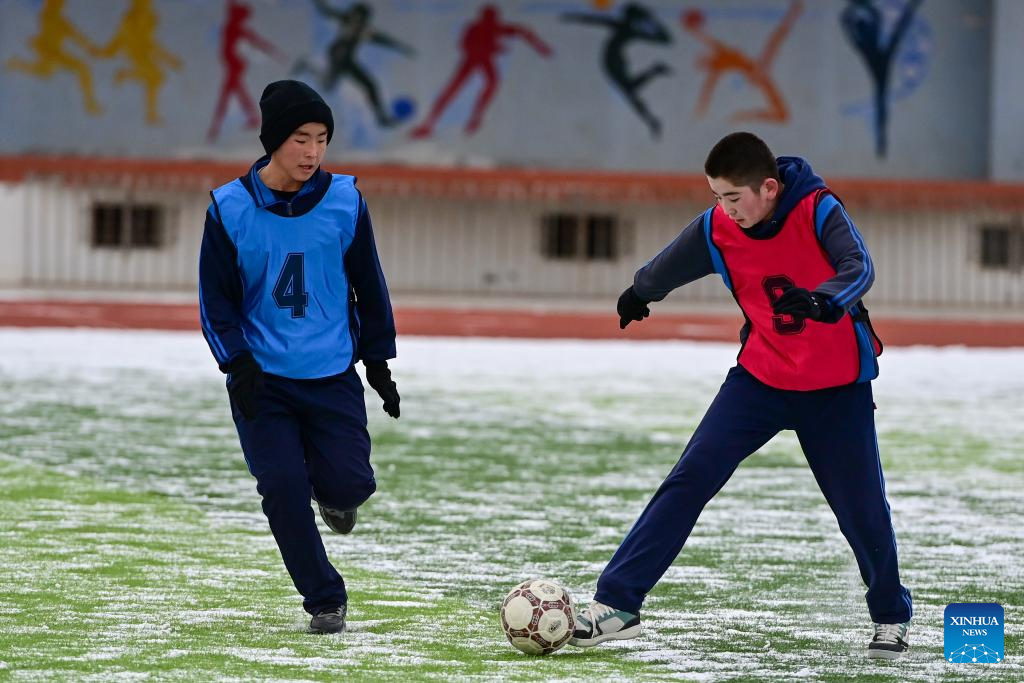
{"x": 891, "y": 641}
{"x": 599, "y": 623}
{"x": 339, "y": 521}
{"x": 329, "y": 620}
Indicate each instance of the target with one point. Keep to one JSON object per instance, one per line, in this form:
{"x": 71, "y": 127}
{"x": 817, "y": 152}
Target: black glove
{"x": 630, "y": 308}
{"x": 378, "y": 376}
{"x": 801, "y": 304}
{"x": 246, "y": 383}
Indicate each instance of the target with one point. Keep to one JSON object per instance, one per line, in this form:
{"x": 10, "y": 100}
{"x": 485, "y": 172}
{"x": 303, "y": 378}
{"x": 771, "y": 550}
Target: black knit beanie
{"x": 286, "y": 105}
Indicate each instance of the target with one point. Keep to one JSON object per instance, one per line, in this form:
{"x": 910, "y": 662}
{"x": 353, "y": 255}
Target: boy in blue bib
{"x": 291, "y": 295}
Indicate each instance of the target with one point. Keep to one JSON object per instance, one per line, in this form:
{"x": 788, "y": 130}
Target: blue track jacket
{"x": 296, "y": 282}
{"x": 688, "y": 257}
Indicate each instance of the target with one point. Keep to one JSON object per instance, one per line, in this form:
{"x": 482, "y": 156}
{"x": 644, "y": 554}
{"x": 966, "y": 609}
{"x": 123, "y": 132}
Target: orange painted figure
{"x": 235, "y": 32}
{"x": 482, "y": 42}
{"x": 725, "y": 58}
{"x": 51, "y": 55}
{"x": 136, "y": 40}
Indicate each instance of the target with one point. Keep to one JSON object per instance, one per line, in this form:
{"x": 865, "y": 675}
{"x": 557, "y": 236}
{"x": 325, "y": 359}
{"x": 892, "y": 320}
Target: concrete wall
{"x": 1007, "y": 143}
{"x": 159, "y": 69}
{"x": 922, "y": 257}
{"x": 932, "y": 258}
{"x": 12, "y": 234}
{"x": 58, "y": 235}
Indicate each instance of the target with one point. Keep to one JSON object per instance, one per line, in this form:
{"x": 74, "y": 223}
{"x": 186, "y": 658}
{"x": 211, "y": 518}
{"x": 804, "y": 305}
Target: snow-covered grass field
{"x": 132, "y": 545}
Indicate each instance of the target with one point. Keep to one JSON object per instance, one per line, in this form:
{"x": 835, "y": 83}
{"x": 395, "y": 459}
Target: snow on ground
{"x": 951, "y": 425}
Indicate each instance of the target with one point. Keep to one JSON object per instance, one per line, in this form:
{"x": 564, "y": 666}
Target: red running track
{"x": 511, "y": 323}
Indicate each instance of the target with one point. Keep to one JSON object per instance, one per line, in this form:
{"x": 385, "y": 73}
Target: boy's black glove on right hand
{"x": 378, "y": 376}
{"x": 631, "y": 307}
{"x": 246, "y": 383}
{"x": 800, "y": 304}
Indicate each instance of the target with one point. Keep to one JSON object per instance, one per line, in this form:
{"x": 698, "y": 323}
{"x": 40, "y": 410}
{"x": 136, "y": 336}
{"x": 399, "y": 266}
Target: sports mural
{"x": 563, "y": 84}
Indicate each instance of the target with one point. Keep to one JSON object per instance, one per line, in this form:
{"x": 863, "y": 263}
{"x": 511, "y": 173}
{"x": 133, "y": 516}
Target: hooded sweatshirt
{"x": 692, "y": 255}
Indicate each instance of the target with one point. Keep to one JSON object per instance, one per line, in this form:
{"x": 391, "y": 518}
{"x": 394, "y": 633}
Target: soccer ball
{"x": 538, "y": 616}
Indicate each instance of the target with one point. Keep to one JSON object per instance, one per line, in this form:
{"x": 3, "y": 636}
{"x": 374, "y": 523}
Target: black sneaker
{"x": 599, "y": 623}
{"x": 339, "y": 521}
{"x": 329, "y": 620}
{"x": 891, "y": 641}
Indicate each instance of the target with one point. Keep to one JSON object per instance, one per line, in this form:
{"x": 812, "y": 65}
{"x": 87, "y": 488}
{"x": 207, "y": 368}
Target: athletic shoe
{"x": 339, "y": 521}
{"x": 891, "y": 641}
{"x": 599, "y": 623}
{"x": 329, "y": 620}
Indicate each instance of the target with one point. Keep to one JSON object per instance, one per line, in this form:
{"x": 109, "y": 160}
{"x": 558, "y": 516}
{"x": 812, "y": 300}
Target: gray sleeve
{"x": 849, "y": 255}
{"x": 685, "y": 259}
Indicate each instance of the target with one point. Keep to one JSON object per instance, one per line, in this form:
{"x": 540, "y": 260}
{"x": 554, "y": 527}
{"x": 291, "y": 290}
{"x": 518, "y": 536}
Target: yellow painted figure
{"x": 52, "y": 55}
{"x": 136, "y": 40}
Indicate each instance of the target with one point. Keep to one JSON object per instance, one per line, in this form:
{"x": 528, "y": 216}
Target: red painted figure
{"x": 482, "y": 42}
{"x": 235, "y": 31}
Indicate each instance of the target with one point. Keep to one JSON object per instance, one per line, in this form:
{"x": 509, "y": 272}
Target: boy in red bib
{"x": 796, "y": 265}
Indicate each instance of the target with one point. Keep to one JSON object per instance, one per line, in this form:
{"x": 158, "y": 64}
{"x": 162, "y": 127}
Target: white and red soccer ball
{"x": 538, "y": 616}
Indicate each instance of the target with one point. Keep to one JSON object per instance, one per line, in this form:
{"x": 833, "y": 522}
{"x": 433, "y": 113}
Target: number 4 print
{"x": 290, "y": 290}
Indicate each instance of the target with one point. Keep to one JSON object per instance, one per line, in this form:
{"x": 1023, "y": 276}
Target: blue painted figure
{"x": 863, "y": 25}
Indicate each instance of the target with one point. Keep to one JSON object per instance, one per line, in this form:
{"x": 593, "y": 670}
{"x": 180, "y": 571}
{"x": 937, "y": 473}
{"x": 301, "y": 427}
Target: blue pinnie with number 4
{"x": 291, "y": 295}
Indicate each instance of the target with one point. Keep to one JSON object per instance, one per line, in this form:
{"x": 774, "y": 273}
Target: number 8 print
{"x": 774, "y": 286}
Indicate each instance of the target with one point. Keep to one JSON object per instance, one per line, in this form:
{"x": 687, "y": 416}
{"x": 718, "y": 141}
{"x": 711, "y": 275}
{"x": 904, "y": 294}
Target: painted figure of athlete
{"x": 135, "y": 40}
{"x": 482, "y": 42}
{"x": 236, "y": 32}
{"x": 636, "y": 23}
{"x": 863, "y": 25}
{"x": 51, "y": 54}
{"x": 756, "y": 69}
{"x": 354, "y": 27}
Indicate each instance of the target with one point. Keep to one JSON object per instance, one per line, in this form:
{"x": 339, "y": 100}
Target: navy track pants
{"x": 836, "y": 429}
{"x": 308, "y": 440}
